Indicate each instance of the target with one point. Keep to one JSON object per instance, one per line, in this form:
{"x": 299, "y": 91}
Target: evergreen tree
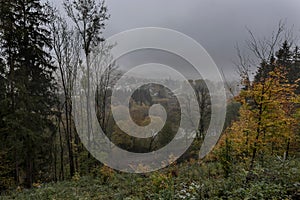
{"x": 285, "y": 57}
{"x": 25, "y": 44}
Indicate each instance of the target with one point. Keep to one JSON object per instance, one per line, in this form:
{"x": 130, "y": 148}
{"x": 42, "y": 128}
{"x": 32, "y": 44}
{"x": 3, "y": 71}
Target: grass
{"x": 276, "y": 179}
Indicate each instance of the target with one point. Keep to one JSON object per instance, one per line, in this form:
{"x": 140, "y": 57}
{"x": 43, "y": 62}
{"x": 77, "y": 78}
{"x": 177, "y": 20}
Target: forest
{"x": 47, "y": 57}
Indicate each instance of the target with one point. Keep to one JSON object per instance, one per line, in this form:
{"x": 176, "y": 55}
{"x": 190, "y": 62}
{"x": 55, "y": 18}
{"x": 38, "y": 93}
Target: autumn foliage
{"x": 267, "y": 124}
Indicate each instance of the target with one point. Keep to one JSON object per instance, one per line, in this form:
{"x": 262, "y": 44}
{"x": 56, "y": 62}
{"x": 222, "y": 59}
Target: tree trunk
{"x": 29, "y": 170}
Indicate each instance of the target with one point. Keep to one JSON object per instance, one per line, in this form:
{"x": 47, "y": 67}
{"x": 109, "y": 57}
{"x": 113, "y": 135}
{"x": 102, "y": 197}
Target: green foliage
{"x": 225, "y": 157}
{"x": 161, "y": 182}
{"x": 6, "y": 169}
{"x": 232, "y": 113}
{"x": 26, "y": 127}
{"x": 288, "y": 57}
{"x": 277, "y": 179}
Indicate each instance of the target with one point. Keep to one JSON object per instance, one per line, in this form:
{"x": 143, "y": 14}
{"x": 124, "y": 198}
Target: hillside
{"x": 277, "y": 179}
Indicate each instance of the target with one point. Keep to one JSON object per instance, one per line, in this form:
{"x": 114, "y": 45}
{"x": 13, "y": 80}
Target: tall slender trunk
{"x": 55, "y": 162}
{"x": 69, "y": 143}
{"x": 88, "y": 103}
{"x": 29, "y": 169}
{"x": 62, "y": 173}
{"x": 17, "y": 174}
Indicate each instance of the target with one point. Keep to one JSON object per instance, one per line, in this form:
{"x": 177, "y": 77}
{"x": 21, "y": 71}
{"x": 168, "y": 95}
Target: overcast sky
{"x": 216, "y": 24}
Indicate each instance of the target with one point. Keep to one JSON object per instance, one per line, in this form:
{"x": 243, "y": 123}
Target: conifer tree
{"x": 25, "y": 46}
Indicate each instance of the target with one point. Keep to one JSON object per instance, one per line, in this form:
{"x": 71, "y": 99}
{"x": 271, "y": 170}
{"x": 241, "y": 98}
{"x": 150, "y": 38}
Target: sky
{"x": 218, "y": 25}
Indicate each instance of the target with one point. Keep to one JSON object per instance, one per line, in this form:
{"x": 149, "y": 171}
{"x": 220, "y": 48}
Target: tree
{"x": 67, "y": 56}
{"x": 286, "y": 57}
{"x": 89, "y": 18}
{"x": 267, "y": 123}
{"x": 105, "y": 76}
{"x": 6, "y": 164}
{"x": 30, "y": 85}
{"x": 267, "y": 120}
{"x": 269, "y": 53}
{"x": 203, "y": 98}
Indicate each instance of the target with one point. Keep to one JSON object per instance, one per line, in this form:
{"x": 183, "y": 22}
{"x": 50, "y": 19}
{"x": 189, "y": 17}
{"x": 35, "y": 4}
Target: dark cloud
{"x": 216, "y": 24}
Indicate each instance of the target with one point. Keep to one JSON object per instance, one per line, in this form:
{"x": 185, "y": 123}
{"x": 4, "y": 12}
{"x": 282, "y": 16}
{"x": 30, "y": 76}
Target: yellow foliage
{"x": 267, "y": 122}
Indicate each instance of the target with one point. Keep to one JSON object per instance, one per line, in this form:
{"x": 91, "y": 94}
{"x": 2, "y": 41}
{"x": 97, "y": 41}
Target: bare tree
{"x": 261, "y": 52}
{"x": 67, "y": 54}
{"x": 203, "y": 98}
{"x": 89, "y": 18}
{"x": 105, "y": 75}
